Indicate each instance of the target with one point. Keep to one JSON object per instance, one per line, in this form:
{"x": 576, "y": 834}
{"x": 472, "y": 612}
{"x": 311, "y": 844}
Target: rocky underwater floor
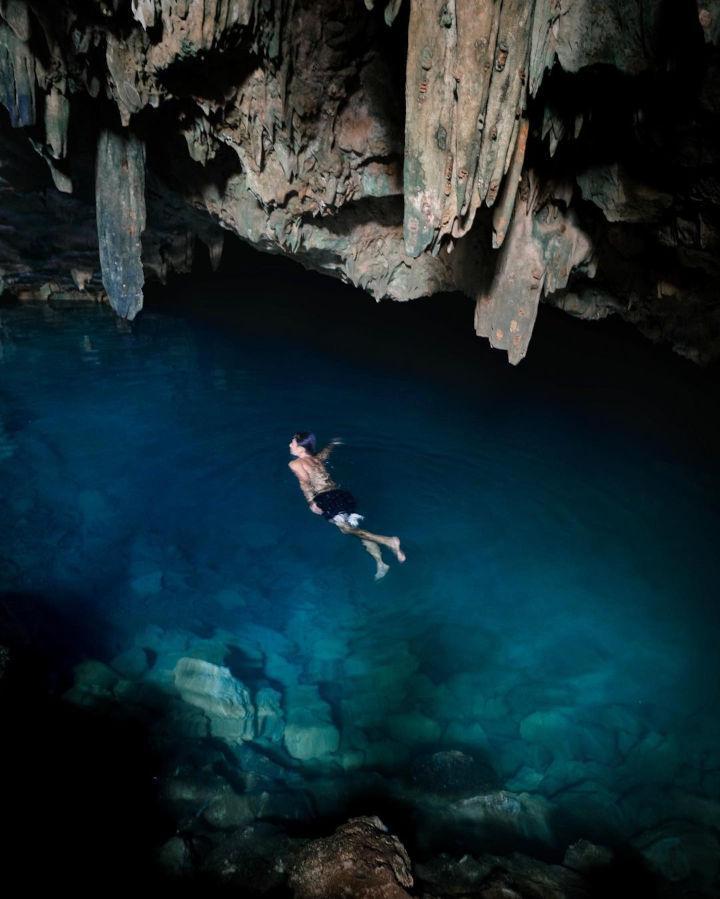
{"x": 204, "y": 687}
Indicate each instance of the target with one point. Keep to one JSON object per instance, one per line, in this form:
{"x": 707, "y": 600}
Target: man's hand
{"x": 315, "y": 508}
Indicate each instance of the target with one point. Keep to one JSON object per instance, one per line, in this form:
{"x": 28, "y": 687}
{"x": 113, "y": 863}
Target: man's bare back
{"x": 311, "y": 472}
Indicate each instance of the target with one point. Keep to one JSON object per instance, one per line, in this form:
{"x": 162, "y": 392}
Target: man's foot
{"x": 395, "y": 547}
{"x": 382, "y": 570}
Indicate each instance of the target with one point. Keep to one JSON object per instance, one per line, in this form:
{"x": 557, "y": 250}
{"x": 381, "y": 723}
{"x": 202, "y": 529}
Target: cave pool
{"x": 556, "y": 619}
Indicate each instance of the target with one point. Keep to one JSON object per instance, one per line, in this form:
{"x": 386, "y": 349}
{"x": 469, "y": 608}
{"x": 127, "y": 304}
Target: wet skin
{"x": 310, "y": 471}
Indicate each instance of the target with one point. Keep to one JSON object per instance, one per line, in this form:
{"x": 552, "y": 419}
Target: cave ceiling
{"x": 517, "y": 151}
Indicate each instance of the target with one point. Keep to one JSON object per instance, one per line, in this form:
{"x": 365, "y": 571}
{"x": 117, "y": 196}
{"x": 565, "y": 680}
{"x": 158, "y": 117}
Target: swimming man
{"x": 327, "y": 499}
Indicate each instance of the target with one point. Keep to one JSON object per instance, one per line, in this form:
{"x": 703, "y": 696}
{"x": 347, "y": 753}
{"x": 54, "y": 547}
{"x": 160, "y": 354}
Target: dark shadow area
{"x": 36, "y": 628}
{"x": 562, "y": 346}
{"x": 212, "y": 74}
{"x": 626, "y": 877}
{"x": 366, "y": 210}
{"x": 25, "y": 171}
{"x": 81, "y": 788}
{"x": 78, "y": 788}
{"x": 638, "y": 119}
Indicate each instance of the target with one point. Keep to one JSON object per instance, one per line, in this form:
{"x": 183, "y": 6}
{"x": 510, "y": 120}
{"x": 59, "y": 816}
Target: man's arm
{"x": 324, "y": 453}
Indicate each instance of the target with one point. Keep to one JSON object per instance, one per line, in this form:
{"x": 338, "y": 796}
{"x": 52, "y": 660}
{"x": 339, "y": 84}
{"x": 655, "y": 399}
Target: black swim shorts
{"x": 335, "y": 502}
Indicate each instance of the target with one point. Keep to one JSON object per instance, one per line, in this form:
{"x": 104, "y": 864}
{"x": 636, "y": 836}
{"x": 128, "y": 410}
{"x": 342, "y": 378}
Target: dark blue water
{"x": 557, "y": 616}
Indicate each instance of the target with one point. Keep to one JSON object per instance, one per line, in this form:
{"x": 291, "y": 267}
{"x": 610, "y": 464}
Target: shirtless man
{"x": 327, "y": 499}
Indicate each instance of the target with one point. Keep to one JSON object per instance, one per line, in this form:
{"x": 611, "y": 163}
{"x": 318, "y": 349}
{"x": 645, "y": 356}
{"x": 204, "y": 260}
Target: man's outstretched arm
{"x": 325, "y": 452}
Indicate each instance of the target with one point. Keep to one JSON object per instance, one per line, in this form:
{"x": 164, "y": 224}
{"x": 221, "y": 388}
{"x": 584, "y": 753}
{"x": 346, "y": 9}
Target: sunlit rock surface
{"x": 515, "y": 151}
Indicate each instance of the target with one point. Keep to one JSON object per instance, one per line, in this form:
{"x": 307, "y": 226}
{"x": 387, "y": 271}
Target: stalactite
{"x": 57, "y": 119}
{"x": 506, "y": 97}
{"x": 477, "y": 37}
{"x": 17, "y": 15}
{"x": 17, "y": 78}
{"x": 544, "y": 244}
{"x": 466, "y": 90}
{"x": 120, "y": 210}
{"x": 542, "y": 41}
{"x": 144, "y": 11}
{"x": 504, "y": 209}
{"x": 429, "y": 122}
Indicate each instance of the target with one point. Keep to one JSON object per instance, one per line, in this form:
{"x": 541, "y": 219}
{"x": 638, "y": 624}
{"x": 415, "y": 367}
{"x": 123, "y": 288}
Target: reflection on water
{"x": 555, "y": 622}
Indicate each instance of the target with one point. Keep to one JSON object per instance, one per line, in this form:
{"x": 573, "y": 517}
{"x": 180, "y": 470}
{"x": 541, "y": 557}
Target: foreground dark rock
{"x": 543, "y": 151}
{"x": 361, "y": 859}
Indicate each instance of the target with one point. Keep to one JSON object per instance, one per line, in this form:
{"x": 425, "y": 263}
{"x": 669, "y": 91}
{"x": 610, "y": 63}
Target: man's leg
{"x": 392, "y": 543}
{"x": 382, "y": 568}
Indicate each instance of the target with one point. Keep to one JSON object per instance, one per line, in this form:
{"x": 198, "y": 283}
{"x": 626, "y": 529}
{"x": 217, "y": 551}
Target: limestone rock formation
{"x": 214, "y": 690}
{"x": 361, "y": 859}
{"x": 120, "y": 199}
{"x": 524, "y": 815}
{"x": 310, "y": 732}
{"x": 516, "y": 151}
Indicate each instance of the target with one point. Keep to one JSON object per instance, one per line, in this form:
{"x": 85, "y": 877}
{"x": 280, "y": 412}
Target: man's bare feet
{"x": 395, "y": 547}
{"x": 382, "y": 570}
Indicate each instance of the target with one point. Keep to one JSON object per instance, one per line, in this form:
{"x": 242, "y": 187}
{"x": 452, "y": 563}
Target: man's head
{"x": 303, "y": 443}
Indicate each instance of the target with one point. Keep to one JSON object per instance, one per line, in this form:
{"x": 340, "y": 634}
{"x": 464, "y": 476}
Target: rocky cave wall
{"x": 513, "y": 150}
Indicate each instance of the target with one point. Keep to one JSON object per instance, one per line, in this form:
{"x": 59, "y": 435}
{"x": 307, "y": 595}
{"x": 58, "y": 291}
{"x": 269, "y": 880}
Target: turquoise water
{"x": 556, "y": 618}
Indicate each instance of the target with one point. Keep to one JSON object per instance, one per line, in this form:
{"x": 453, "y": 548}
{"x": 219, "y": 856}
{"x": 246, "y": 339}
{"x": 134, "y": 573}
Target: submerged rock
{"x": 309, "y": 732}
{"x": 94, "y": 685}
{"x": 414, "y": 728}
{"x": 252, "y": 860}
{"x": 227, "y": 810}
{"x": 132, "y": 663}
{"x": 495, "y": 877}
{"x": 361, "y": 859}
{"x": 451, "y": 773}
{"x": 686, "y": 856}
{"x": 518, "y": 815}
{"x": 175, "y": 856}
{"x": 223, "y": 698}
{"x": 586, "y": 857}
{"x": 270, "y": 720}
{"x": 307, "y": 738}
{"x": 594, "y": 810}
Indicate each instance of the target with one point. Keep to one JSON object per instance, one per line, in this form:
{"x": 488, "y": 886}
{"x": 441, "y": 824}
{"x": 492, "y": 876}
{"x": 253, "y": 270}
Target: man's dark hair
{"x": 306, "y": 439}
